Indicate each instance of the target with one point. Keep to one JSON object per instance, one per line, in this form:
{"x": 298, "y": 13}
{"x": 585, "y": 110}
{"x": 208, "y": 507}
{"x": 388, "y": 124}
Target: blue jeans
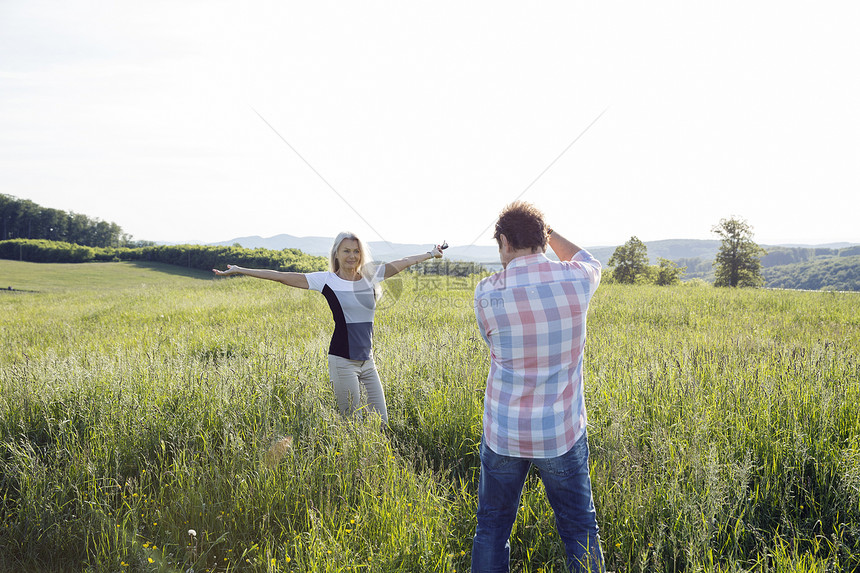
{"x": 568, "y": 488}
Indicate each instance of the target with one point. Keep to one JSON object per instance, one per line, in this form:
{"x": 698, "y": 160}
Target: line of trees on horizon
{"x": 24, "y": 219}
{"x": 200, "y": 257}
{"x": 38, "y": 234}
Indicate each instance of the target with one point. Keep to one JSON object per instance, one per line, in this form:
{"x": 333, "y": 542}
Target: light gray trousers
{"x": 347, "y": 377}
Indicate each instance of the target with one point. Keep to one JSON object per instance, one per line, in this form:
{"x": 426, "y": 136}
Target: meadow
{"x": 139, "y": 404}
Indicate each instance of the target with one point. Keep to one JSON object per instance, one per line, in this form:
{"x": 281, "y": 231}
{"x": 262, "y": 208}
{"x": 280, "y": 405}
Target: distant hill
{"x": 669, "y": 249}
{"x": 812, "y": 267}
{"x": 380, "y": 250}
{"x": 839, "y": 273}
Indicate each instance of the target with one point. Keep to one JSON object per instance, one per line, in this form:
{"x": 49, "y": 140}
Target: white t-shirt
{"x": 352, "y": 305}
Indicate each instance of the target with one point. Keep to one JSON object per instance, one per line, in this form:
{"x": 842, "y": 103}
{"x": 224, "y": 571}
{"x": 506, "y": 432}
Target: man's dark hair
{"x": 523, "y": 225}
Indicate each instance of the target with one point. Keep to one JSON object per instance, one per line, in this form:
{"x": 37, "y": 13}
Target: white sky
{"x": 428, "y": 117}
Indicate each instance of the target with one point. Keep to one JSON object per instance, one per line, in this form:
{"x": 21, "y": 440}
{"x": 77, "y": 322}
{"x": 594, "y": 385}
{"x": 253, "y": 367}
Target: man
{"x": 532, "y": 316}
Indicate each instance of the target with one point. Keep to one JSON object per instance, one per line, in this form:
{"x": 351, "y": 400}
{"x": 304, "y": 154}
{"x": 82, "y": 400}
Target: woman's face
{"x": 348, "y": 255}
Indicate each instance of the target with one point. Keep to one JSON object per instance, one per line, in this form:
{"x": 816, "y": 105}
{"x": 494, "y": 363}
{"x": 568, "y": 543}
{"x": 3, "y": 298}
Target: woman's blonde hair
{"x": 364, "y": 253}
{"x": 365, "y": 265}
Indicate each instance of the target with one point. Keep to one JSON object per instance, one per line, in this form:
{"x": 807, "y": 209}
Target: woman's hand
{"x": 231, "y": 270}
{"x": 436, "y": 253}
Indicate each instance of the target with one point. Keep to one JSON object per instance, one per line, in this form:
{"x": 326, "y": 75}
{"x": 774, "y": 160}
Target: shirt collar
{"x": 526, "y": 260}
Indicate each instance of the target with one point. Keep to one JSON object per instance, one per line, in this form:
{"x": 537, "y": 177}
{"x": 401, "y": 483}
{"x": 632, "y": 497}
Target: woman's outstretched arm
{"x": 395, "y": 267}
{"x": 298, "y": 280}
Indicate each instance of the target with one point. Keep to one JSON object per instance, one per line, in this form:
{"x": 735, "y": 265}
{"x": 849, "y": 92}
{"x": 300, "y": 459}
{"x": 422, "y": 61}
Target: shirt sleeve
{"x": 587, "y": 263}
{"x": 479, "y": 316}
{"x": 317, "y": 280}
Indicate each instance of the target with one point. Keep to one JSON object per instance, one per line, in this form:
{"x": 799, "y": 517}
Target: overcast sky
{"x": 418, "y": 121}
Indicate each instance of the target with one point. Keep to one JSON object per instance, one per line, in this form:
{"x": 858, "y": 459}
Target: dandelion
{"x": 150, "y": 559}
{"x": 192, "y": 533}
{"x": 288, "y": 559}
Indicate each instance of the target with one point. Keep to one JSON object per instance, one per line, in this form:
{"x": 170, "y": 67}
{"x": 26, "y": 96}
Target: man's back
{"x": 533, "y": 317}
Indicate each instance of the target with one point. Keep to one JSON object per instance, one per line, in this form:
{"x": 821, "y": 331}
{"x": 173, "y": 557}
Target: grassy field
{"x": 137, "y": 405}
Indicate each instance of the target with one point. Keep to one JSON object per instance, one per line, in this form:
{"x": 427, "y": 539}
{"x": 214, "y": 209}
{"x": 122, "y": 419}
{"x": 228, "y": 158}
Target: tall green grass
{"x": 724, "y": 425}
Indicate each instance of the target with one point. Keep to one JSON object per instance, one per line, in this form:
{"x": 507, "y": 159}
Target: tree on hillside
{"x": 629, "y": 261}
{"x": 668, "y": 273}
{"x": 738, "y": 261}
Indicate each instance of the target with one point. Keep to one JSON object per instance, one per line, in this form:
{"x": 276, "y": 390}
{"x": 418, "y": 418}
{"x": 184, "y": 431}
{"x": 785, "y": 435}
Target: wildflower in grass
{"x": 150, "y": 559}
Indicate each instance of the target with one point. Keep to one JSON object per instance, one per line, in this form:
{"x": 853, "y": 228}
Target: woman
{"x": 351, "y": 287}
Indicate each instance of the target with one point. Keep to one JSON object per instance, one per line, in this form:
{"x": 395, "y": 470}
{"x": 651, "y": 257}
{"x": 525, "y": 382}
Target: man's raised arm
{"x": 563, "y": 248}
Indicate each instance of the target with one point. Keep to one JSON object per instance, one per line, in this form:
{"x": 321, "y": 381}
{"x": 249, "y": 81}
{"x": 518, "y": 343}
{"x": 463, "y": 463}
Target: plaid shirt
{"x": 532, "y": 316}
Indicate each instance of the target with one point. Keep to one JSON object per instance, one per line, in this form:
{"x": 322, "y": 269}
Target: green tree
{"x": 23, "y": 219}
{"x": 668, "y": 273}
{"x": 629, "y": 261}
{"x": 738, "y": 261}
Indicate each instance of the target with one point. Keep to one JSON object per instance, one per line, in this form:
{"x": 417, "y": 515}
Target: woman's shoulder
{"x": 318, "y": 279}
